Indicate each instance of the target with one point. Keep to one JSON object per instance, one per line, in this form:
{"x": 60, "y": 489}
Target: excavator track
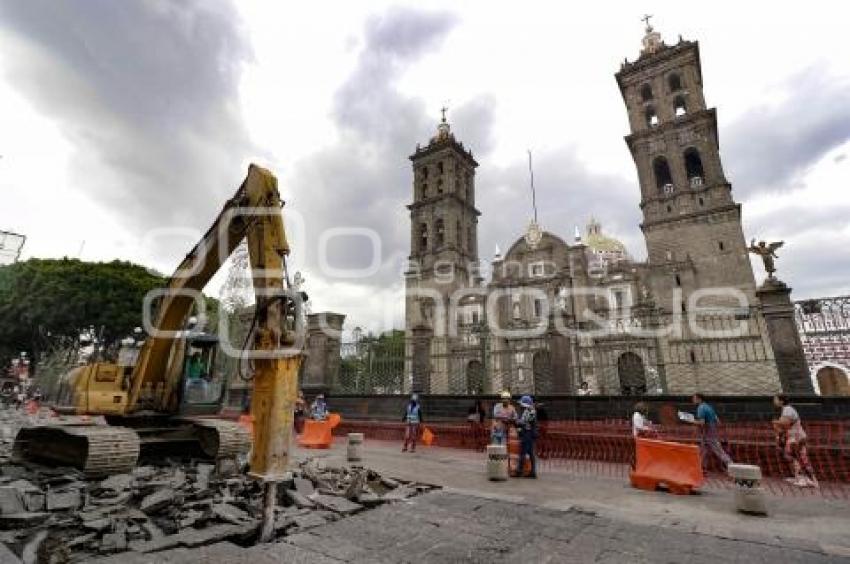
{"x": 221, "y": 439}
{"x": 96, "y": 450}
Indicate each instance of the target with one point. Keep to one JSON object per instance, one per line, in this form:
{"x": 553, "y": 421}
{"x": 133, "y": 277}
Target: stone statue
{"x": 767, "y": 254}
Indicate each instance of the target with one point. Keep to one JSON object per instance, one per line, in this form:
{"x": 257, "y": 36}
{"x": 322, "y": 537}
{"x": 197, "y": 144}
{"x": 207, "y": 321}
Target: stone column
{"x": 322, "y": 352}
{"x": 778, "y": 312}
{"x": 422, "y": 336}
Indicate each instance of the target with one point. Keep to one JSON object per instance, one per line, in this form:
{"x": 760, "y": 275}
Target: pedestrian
{"x": 641, "y": 425}
{"x": 412, "y": 418}
{"x": 792, "y": 439}
{"x": 527, "y": 429}
{"x": 475, "y": 415}
{"x": 584, "y": 389}
{"x": 319, "y": 408}
{"x": 709, "y": 443}
{"x": 300, "y": 412}
{"x": 504, "y": 415}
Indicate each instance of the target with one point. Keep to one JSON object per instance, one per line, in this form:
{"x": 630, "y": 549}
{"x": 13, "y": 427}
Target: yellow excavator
{"x": 159, "y": 400}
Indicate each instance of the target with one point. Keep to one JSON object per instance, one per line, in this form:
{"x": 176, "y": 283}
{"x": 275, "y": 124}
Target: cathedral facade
{"x": 556, "y": 311}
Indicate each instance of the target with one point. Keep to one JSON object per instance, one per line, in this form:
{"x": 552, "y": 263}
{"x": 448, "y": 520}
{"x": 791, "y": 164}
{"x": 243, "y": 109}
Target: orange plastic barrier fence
{"x": 674, "y": 465}
{"x": 319, "y": 434}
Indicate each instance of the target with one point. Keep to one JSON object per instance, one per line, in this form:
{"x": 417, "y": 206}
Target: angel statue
{"x": 767, "y": 254}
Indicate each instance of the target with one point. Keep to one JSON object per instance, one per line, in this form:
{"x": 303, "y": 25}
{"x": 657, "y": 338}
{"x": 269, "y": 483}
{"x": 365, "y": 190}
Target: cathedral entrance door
{"x": 474, "y": 377}
{"x": 632, "y": 374}
{"x": 541, "y": 365}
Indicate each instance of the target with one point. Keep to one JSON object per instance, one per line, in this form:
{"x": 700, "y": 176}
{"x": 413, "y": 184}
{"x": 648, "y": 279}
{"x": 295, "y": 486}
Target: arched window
{"x": 663, "y": 178}
{"x": 441, "y": 233}
{"x": 679, "y": 107}
{"x": 440, "y": 168}
{"x": 675, "y": 82}
{"x": 459, "y": 236}
{"x": 424, "y": 172}
{"x": 439, "y": 186}
{"x": 693, "y": 167}
{"x": 651, "y": 117}
{"x": 646, "y": 93}
{"x": 424, "y": 190}
{"x": 423, "y": 237}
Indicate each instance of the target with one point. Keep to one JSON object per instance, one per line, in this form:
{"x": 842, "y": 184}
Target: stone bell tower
{"x": 691, "y": 222}
{"x": 692, "y": 227}
{"x": 443, "y": 248}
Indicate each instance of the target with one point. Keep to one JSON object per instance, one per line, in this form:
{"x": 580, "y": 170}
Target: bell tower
{"x": 691, "y": 222}
{"x": 443, "y": 245}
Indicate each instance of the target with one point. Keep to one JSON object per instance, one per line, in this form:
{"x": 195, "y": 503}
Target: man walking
{"x": 709, "y": 442}
{"x": 527, "y": 429}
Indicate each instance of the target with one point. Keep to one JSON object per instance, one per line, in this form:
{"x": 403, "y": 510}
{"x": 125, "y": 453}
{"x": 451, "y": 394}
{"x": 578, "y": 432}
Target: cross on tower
{"x": 444, "y": 109}
{"x": 646, "y": 19}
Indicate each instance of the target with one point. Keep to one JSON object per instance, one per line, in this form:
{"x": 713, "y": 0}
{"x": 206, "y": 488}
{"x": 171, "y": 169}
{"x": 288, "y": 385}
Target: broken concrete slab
{"x": 60, "y": 500}
{"x": 303, "y": 486}
{"x": 230, "y": 513}
{"x": 336, "y": 504}
{"x": 299, "y": 500}
{"x": 113, "y": 542}
{"x": 118, "y": 482}
{"x": 11, "y": 500}
{"x": 22, "y": 520}
{"x": 7, "y": 556}
{"x": 158, "y": 500}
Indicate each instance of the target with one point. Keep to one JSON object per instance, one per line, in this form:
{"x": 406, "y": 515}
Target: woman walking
{"x": 792, "y": 439}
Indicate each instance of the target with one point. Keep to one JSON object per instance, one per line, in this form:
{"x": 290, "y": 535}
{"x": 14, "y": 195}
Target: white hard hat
{"x": 506, "y": 395}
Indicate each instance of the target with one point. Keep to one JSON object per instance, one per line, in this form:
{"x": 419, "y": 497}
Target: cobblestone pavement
{"x": 448, "y": 527}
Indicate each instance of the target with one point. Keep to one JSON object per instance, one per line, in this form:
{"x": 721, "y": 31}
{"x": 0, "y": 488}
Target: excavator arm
{"x": 252, "y": 213}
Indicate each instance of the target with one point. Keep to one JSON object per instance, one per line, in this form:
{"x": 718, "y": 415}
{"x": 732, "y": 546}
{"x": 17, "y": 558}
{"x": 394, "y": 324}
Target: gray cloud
{"x": 769, "y": 147}
{"x": 364, "y": 180}
{"x": 146, "y": 91}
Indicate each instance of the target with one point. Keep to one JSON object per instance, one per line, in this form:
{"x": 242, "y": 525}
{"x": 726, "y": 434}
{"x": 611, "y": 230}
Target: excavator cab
{"x": 203, "y": 384}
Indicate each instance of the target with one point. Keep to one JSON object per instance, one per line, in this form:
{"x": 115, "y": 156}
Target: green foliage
{"x": 48, "y": 300}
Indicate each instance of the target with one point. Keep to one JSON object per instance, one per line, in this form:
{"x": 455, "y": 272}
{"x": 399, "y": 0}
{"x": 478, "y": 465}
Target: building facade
{"x": 555, "y": 314}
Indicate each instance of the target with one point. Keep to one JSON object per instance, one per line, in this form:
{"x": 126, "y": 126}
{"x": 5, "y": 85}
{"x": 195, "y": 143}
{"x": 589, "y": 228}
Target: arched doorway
{"x": 541, "y": 365}
{"x": 474, "y": 377}
{"x": 832, "y": 381}
{"x": 632, "y": 374}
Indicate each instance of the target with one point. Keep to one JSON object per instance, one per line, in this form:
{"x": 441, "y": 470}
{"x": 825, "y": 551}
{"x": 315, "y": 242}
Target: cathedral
{"x": 556, "y": 311}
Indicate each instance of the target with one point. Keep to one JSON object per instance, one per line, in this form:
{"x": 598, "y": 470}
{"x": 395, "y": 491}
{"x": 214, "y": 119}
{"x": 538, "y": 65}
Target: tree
{"x": 45, "y": 301}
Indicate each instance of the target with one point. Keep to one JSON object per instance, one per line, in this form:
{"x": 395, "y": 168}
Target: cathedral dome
{"x": 597, "y": 241}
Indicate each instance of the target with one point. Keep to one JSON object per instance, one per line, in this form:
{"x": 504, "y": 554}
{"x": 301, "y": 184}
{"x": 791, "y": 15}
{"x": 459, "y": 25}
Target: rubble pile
{"x": 55, "y": 515}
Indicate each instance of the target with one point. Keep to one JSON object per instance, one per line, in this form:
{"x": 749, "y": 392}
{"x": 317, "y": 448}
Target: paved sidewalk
{"x": 810, "y": 523}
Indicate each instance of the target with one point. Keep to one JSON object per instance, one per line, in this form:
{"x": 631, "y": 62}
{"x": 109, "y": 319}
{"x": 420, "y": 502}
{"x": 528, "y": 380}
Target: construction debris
{"x": 55, "y": 515}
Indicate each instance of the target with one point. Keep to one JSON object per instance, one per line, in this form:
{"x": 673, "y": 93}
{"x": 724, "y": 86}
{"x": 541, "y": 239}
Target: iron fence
{"x": 724, "y": 352}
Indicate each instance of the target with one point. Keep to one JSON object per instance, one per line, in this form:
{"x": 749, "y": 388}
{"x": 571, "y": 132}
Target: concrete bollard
{"x": 497, "y": 462}
{"x": 355, "y": 447}
{"x": 749, "y": 495}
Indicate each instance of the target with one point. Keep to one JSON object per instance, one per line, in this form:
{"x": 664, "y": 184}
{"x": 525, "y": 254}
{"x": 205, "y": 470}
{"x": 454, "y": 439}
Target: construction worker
{"x": 412, "y": 418}
{"x": 504, "y": 415}
{"x": 527, "y": 428}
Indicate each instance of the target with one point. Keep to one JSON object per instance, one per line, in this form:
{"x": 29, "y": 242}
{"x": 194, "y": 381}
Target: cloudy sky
{"x": 125, "y": 125}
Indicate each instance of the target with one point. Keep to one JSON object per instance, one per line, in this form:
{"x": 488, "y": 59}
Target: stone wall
{"x": 454, "y": 408}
